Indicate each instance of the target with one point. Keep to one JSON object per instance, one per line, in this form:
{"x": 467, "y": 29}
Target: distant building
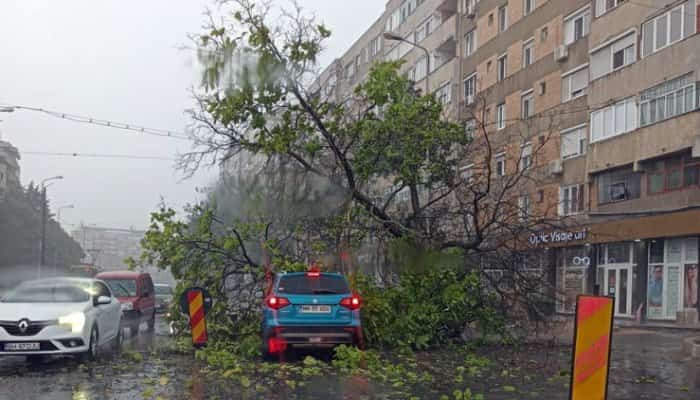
{"x": 108, "y": 247}
{"x": 9, "y": 167}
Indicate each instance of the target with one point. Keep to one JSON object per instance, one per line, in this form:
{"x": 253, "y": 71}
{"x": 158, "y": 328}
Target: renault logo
{"x": 23, "y": 325}
{"x": 315, "y": 301}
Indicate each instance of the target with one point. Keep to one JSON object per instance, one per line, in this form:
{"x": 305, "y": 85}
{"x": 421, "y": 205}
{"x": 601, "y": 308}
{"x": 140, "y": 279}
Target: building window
{"x": 527, "y": 105}
{"x": 528, "y": 52}
{"x": 470, "y": 128}
{"x": 525, "y": 156}
{"x": 502, "y": 67}
{"x": 571, "y": 200}
{"x": 623, "y": 57}
{"x": 614, "y": 120}
{"x": 502, "y": 18}
{"x": 543, "y": 88}
{"x": 672, "y": 174}
{"x": 501, "y": 116}
{"x": 444, "y": 93}
{"x": 470, "y": 89}
{"x": 574, "y": 142}
{"x": 420, "y": 70}
{"x": 614, "y": 55}
{"x": 375, "y": 46}
{"x": 470, "y": 43}
{"x": 524, "y": 208}
{"x": 501, "y": 164}
{"x": 574, "y": 84}
{"x": 544, "y": 33}
{"x": 667, "y": 100}
{"x": 619, "y": 185}
{"x": 528, "y": 6}
{"x": 577, "y": 25}
{"x": 350, "y": 71}
{"x": 603, "y": 6}
{"x": 668, "y": 28}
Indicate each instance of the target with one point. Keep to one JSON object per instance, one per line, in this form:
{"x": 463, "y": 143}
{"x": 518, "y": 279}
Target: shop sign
{"x": 556, "y": 237}
{"x": 592, "y": 339}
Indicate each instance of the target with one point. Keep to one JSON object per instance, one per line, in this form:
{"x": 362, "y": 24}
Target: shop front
{"x": 649, "y": 264}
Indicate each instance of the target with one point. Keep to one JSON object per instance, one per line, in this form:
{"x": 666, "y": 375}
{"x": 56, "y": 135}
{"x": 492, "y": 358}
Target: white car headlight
{"x": 76, "y": 321}
{"x": 127, "y": 306}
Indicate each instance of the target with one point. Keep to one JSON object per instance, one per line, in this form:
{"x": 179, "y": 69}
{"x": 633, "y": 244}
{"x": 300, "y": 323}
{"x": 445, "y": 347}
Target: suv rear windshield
{"x": 302, "y": 284}
{"x": 122, "y": 287}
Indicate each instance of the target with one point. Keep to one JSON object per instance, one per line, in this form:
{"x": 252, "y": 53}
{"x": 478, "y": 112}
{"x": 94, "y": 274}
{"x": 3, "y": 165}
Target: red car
{"x": 137, "y": 296}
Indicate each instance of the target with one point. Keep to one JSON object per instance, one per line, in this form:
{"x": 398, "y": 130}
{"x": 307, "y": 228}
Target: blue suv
{"x": 310, "y": 310}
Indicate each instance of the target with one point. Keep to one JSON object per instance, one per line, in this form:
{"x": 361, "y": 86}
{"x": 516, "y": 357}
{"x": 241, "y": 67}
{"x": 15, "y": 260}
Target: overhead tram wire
{"x": 103, "y": 122}
{"x": 97, "y": 155}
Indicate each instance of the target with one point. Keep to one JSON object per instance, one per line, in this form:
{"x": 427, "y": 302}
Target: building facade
{"x": 605, "y": 92}
{"x": 107, "y": 248}
{"x": 9, "y": 167}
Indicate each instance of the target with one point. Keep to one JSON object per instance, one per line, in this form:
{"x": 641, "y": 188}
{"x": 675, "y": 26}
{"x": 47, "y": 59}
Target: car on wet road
{"x": 59, "y": 316}
{"x": 310, "y": 309}
{"x": 136, "y": 293}
{"x": 164, "y": 297}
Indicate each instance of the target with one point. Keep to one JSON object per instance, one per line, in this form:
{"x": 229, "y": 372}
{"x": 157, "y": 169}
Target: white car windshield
{"x": 47, "y": 294}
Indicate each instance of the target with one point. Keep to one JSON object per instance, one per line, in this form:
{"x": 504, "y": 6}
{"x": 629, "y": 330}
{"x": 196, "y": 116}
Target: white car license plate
{"x": 22, "y": 346}
{"x": 316, "y": 309}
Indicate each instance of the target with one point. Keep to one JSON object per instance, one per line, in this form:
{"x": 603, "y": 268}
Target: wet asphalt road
{"x": 645, "y": 365}
{"x": 128, "y": 375}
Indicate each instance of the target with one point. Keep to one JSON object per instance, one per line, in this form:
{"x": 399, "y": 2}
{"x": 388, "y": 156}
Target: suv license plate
{"x": 22, "y": 346}
{"x": 315, "y": 309}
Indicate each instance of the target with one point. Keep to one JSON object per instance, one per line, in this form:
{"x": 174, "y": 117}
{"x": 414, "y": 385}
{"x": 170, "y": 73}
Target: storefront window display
{"x": 673, "y": 277}
{"x": 572, "y": 265}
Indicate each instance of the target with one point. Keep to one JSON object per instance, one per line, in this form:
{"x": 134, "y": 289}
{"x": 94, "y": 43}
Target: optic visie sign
{"x": 557, "y": 237}
{"x": 592, "y": 343}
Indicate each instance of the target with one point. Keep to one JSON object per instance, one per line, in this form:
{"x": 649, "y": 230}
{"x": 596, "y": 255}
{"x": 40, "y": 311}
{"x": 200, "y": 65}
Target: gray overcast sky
{"x": 117, "y": 60}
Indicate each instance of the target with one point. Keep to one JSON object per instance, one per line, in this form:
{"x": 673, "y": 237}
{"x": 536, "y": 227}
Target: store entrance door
{"x": 618, "y": 283}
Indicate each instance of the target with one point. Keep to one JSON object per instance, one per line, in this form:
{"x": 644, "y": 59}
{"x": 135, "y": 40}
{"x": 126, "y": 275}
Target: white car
{"x": 59, "y": 316}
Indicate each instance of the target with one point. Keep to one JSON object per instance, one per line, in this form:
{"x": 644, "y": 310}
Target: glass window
{"x": 302, "y": 284}
{"x": 574, "y": 142}
{"x": 502, "y": 18}
{"x": 661, "y": 31}
{"x": 691, "y": 175}
{"x": 528, "y": 52}
{"x": 656, "y": 251}
{"x": 122, "y": 287}
{"x": 618, "y": 185}
{"x": 528, "y": 107}
{"x": 501, "y": 116}
{"x": 470, "y": 42}
{"x": 614, "y": 120}
{"x": 618, "y": 253}
{"x": 674, "y": 250}
{"x": 502, "y": 67}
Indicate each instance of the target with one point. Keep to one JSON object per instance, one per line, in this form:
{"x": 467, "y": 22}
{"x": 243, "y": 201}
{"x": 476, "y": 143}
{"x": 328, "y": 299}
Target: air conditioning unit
{"x": 556, "y": 167}
{"x": 561, "y": 53}
{"x": 469, "y": 100}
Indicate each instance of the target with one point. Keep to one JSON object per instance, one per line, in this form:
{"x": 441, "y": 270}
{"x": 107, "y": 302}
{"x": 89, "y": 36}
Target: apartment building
{"x": 9, "y": 167}
{"x": 601, "y": 98}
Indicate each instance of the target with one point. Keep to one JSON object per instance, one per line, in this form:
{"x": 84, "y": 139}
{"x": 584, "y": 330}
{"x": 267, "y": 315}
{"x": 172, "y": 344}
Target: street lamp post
{"x": 42, "y": 244}
{"x": 55, "y": 249}
{"x": 397, "y": 38}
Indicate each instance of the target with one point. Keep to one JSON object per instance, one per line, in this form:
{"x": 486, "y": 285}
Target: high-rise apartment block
{"x": 605, "y": 92}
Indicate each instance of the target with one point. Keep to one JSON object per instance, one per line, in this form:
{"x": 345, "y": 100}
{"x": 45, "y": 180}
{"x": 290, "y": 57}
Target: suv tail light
{"x": 277, "y": 303}
{"x": 352, "y": 303}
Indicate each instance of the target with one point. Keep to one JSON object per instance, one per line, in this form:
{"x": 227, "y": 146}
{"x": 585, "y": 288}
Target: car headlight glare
{"x": 76, "y": 321}
{"x": 127, "y": 306}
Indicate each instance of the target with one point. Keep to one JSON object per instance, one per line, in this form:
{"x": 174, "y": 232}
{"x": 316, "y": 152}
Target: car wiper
{"x": 324, "y": 291}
